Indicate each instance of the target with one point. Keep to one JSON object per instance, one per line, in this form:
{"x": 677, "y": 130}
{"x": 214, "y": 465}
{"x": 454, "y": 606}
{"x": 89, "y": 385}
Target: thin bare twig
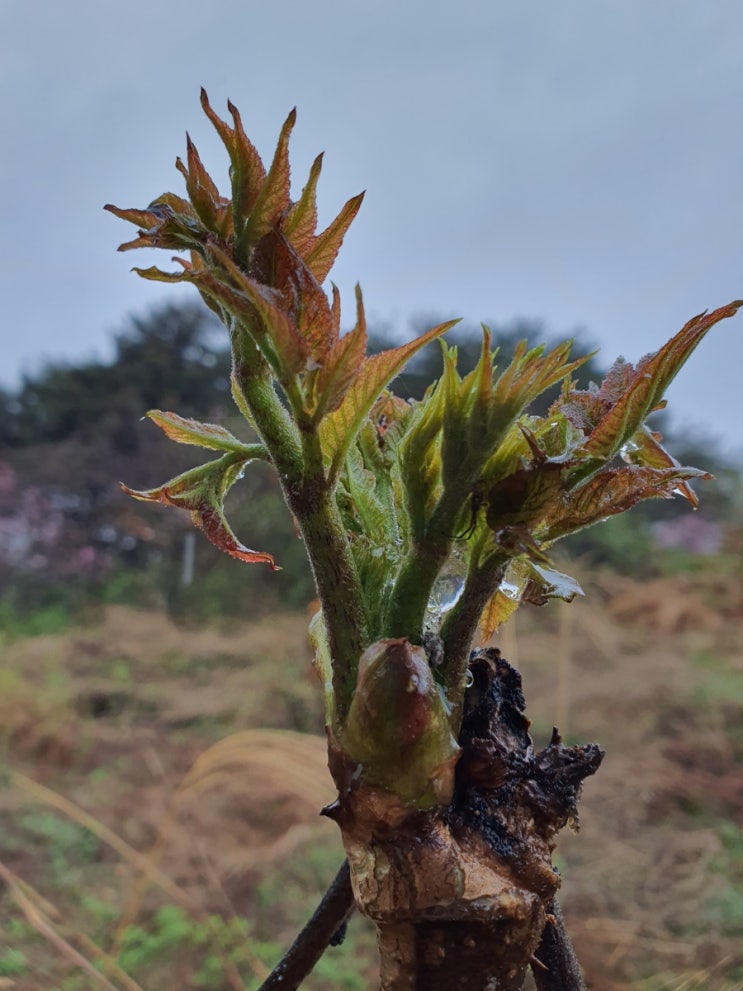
{"x": 330, "y": 915}
{"x": 556, "y": 967}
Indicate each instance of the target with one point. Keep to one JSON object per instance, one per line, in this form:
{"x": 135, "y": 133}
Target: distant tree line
{"x": 69, "y": 433}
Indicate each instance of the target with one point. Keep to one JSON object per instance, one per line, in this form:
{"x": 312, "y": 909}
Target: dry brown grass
{"x": 652, "y": 672}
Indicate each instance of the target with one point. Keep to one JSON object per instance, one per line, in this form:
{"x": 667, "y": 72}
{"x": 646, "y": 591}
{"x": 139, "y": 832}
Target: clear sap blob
{"x": 446, "y": 591}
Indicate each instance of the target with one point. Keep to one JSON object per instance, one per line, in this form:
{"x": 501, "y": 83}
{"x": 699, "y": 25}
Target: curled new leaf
{"x": 163, "y": 225}
{"x": 201, "y": 491}
{"x": 644, "y": 448}
{"x": 524, "y": 498}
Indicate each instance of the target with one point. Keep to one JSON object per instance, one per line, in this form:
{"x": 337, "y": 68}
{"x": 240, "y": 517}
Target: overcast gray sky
{"x": 578, "y": 162}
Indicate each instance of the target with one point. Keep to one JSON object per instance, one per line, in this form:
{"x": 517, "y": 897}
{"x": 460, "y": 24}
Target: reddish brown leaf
{"x": 246, "y": 298}
{"x": 335, "y": 314}
{"x": 342, "y": 365}
{"x": 155, "y": 274}
{"x": 201, "y": 491}
{"x": 301, "y": 221}
{"x": 500, "y": 608}
{"x": 613, "y": 491}
{"x": 273, "y": 199}
{"x": 142, "y": 218}
{"x": 314, "y": 317}
{"x": 637, "y": 394}
{"x": 247, "y": 170}
{"x": 275, "y": 263}
{"x": 202, "y": 191}
{"x": 325, "y": 246}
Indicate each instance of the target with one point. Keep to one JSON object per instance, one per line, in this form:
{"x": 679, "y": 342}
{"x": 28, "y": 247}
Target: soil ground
{"x": 118, "y": 852}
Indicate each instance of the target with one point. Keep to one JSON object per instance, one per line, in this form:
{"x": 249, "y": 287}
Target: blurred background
{"x": 550, "y": 171}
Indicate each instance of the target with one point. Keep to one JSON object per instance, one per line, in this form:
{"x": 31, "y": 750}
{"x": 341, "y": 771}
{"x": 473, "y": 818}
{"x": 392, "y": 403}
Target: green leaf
{"x": 530, "y": 373}
{"x": 419, "y": 455}
{"x": 338, "y": 430}
{"x": 201, "y": 491}
{"x": 211, "y": 435}
{"x": 479, "y": 413}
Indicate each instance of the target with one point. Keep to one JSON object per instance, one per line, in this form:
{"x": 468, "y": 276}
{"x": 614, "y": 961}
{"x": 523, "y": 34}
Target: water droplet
{"x": 510, "y": 590}
{"x": 446, "y": 590}
{"x": 627, "y": 450}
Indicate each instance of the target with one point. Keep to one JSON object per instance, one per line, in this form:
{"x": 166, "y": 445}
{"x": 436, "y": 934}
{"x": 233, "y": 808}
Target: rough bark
{"x": 461, "y": 896}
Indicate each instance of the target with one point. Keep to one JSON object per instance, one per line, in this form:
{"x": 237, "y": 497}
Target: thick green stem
{"x": 337, "y": 583}
{"x": 421, "y": 568}
{"x": 273, "y": 423}
{"x": 298, "y": 460}
{"x": 460, "y": 626}
{"x": 412, "y": 591}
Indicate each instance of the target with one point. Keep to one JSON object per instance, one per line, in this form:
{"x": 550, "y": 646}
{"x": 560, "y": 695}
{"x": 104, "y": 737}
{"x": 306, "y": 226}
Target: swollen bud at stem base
{"x": 398, "y": 728}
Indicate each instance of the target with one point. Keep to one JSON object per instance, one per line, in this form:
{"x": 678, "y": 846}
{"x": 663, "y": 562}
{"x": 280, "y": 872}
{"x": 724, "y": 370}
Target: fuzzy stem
{"x": 460, "y": 626}
{"x": 421, "y": 568}
{"x": 298, "y": 460}
{"x": 336, "y": 578}
{"x": 273, "y": 423}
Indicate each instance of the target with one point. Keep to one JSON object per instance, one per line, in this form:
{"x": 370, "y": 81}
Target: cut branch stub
{"x": 464, "y": 891}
